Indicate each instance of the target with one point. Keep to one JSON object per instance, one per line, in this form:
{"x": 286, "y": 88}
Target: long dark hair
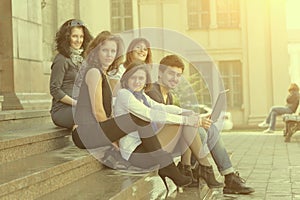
{"x": 63, "y": 39}
{"x": 129, "y": 52}
{"x": 91, "y": 52}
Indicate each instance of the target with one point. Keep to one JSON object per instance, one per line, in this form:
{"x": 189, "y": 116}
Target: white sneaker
{"x": 268, "y": 131}
{"x": 263, "y": 125}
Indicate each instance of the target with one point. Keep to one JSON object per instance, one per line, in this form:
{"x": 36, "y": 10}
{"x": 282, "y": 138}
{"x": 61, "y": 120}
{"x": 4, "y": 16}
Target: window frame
{"x": 121, "y": 15}
{"x": 232, "y": 76}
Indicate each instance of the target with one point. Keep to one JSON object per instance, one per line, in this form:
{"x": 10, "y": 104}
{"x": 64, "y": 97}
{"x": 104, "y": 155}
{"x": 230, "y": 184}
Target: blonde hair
{"x": 294, "y": 87}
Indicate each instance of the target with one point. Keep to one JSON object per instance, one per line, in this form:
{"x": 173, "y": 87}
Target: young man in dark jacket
{"x": 170, "y": 71}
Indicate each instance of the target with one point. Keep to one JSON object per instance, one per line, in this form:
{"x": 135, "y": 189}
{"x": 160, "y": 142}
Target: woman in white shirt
{"x": 172, "y": 124}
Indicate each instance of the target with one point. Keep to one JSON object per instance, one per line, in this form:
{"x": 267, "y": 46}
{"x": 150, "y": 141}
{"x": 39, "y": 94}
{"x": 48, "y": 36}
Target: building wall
{"x": 259, "y": 43}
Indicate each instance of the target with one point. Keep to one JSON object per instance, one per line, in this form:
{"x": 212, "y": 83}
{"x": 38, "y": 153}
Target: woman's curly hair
{"x": 63, "y": 39}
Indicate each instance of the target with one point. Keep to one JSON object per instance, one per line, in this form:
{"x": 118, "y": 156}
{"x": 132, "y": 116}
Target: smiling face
{"x": 170, "y": 77}
{"x": 107, "y": 54}
{"x": 76, "y": 37}
{"x": 137, "y": 81}
{"x": 140, "y": 51}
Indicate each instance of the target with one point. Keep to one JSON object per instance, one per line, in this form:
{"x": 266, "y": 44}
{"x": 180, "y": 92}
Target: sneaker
{"x": 268, "y": 131}
{"x": 263, "y": 125}
{"x": 234, "y": 184}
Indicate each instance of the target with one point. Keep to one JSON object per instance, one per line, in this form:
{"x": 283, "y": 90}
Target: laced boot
{"x": 187, "y": 171}
{"x": 207, "y": 174}
{"x": 234, "y": 184}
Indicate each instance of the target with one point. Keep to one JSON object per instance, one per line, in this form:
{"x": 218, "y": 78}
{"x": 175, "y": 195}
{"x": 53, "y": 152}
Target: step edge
{"x": 42, "y": 175}
{"x": 47, "y": 135}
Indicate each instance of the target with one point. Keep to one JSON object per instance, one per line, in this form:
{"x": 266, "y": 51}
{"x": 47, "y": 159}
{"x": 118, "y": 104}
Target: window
{"x": 231, "y": 73}
{"x": 225, "y": 13}
{"x": 228, "y": 13}
{"x": 121, "y": 15}
{"x": 198, "y": 14}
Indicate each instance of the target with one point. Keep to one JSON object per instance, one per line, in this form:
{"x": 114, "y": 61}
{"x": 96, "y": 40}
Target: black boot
{"x": 187, "y": 171}
{"x": 207, "y": 173}
{"x": 173, "y": 173}
{"x": 234, "y": 184}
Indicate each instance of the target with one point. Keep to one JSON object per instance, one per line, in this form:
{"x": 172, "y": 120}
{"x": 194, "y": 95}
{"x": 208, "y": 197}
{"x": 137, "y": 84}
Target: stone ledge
{"x": 22, "y": 114}
{"x": 22, "y": 143}
{"x": 38, "y": 175}
{"x": 12, "y": 120}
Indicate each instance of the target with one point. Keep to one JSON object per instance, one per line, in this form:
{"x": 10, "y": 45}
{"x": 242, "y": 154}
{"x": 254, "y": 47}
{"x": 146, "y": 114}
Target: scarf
{"x": 76, "y": 56}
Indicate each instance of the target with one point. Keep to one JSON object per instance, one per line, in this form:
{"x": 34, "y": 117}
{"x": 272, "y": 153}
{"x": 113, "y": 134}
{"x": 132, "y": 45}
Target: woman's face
{"x": 107, "y": 53}
{"x": 76, "y": 37}
{"x": 137, "y": 81}
{"x": 140, "y": 51}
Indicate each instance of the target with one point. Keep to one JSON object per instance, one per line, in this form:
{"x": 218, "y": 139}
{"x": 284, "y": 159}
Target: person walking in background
{"x": 71, "y": 40}
{"x": 96, "y": 127}
{"x": 292, "y": 102}
{"x": 170, "y": 71}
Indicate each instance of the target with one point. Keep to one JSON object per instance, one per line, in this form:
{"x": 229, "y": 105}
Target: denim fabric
{"x": 276, "y": 110}
{"x": 217, "y": 149}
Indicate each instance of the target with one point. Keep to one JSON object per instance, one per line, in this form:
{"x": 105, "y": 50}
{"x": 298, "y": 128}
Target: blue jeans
{"x": 217, "y": 149}
{"x": 276, "y": 110}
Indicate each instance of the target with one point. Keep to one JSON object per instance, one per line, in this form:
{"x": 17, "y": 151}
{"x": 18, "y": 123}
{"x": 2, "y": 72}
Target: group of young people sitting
{"x": 140, "y": 121}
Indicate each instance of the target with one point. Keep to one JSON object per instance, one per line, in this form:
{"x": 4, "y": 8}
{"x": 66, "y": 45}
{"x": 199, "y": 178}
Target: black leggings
{"x": 96, "y": 135}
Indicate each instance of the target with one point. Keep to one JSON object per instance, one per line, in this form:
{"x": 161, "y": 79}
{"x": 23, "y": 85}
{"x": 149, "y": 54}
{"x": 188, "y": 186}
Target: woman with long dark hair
{"x": 71, "y": 41}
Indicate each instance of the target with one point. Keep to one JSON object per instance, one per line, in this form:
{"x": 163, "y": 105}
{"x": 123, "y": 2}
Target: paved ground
{"x": 269, "y": 165}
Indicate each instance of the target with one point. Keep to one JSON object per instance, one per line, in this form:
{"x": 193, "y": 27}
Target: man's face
{"x": 170, "y": 77}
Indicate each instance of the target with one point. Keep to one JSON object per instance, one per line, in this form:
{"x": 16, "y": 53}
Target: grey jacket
{"x": 63, "y": 75}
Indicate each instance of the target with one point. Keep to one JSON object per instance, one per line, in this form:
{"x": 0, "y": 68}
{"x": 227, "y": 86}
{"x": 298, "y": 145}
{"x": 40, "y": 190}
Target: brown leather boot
{"x": 207, "y": 174}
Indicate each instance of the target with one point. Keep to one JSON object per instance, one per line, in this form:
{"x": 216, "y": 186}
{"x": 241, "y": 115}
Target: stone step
{"x": 16, "y": 144}
{"x": 37, "y": 175}
{"x": 106, "y": 184}
{"x": 12, "y": 120}
{"x": 119, "y": 185}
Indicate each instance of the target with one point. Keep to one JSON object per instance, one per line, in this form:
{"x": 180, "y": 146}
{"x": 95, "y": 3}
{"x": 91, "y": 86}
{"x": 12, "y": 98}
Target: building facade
{"x": 246, "y": 40}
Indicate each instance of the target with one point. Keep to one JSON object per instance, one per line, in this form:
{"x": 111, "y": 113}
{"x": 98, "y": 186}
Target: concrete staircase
{"x": 39, "y": 161}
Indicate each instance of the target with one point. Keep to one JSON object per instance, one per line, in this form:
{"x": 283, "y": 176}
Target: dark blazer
{"x": 156, "y": 95}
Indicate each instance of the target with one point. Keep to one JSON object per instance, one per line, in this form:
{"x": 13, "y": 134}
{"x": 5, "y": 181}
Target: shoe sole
{"x": 229, "y": 191}
{"x": 263, "y": 126}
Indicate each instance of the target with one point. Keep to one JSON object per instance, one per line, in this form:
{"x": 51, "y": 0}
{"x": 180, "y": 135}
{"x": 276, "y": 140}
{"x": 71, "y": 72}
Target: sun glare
{"x": 293, "y": 14}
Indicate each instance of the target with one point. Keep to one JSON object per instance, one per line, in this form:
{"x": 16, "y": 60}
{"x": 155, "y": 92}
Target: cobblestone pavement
{"x": 268, "y": 164}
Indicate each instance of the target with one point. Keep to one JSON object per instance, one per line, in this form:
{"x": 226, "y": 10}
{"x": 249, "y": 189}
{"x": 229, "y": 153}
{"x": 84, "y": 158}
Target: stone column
{"x": 7, "y": 84}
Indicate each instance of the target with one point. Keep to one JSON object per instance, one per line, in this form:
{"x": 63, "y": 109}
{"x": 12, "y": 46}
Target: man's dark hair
{"x": 172, "y": 61}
